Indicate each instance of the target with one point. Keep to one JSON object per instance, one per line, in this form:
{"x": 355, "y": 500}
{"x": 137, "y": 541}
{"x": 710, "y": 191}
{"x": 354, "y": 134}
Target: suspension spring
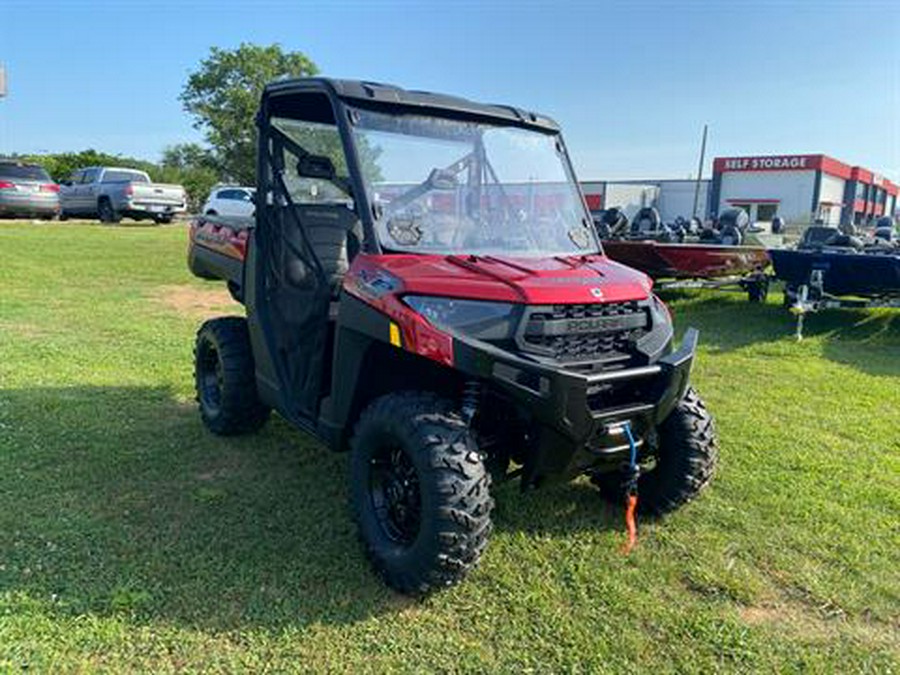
{"x": 471, "y": 397}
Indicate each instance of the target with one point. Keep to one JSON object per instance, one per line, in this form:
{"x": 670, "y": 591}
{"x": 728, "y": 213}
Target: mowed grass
{"x": 133, "y": 540}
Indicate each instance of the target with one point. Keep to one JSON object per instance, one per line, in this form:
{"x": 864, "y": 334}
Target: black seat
{"x": 817, "y": 236}
{"x": 334, "y": 232}
{"x": 646, "y": 222}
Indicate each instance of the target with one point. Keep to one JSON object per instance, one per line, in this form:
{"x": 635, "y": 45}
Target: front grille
{"x": 598, "y": 309}
{"x": 603, "y": 333}
{"x": 583, "y": 347}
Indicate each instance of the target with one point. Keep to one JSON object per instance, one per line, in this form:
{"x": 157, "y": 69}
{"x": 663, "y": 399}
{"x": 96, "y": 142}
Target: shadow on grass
{"x": 861, "y": 339}
{"x": 866, "y": 340}
{"x": 118, "y": 501}
{"x": 556, "y": 509}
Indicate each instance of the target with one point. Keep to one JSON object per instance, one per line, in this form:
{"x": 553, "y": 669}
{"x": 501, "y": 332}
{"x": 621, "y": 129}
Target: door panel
{"x": 68, "y": 194}
{"x": 89, "y": 191}
{"x": 303, "y": 226}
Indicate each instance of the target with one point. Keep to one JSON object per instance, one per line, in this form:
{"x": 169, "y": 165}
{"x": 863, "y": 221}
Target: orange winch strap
{"x": 630, "y": 523}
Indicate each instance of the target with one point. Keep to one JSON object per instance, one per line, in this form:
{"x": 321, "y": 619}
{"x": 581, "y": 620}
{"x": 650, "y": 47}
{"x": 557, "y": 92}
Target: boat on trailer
{"x": 831, "y": 268}
{"x": 684, "y": 255}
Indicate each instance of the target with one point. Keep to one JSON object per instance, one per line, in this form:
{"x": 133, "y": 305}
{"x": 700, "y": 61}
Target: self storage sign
{"x": 777, "y": 163}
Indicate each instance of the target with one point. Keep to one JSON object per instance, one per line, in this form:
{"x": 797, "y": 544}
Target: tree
{"x": 194, "y": 167}
{"x": 61, "y": 165}
{"x": 187, "y": 156}
{"x": 223, "y": 96}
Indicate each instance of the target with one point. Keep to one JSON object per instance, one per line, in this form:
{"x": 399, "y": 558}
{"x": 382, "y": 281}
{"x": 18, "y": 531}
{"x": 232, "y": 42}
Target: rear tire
{"x": 225, "y": 378}
{"x": 163, "y": 220}
{"x": 420, "y": 492}
{"x": 685, "y": 464}
{"x": 106, "y": 213}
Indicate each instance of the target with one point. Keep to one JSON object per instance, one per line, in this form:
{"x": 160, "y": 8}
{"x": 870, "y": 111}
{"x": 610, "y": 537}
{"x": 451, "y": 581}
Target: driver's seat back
{"x": 335, "y": 234}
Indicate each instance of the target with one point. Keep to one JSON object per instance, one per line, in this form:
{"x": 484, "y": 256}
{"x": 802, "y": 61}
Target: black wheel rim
{"x": 395, "y": 493}
{"x": 209, "y": 378}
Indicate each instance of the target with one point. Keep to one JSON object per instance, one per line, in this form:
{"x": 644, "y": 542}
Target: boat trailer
{"x": 755, "y": 285}
{"x": 811, "y": 297}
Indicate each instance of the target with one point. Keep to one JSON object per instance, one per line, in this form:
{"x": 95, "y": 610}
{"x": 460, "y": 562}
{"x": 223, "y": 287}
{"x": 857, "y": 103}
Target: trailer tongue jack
{"x": 811, "y": 298}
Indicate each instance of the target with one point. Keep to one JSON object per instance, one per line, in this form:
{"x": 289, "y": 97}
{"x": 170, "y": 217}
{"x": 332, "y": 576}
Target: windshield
{"x": 450, "y": 186}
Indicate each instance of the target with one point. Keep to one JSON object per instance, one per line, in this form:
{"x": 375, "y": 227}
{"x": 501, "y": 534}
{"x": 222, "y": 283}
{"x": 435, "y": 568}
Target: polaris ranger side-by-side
{"x": 424, "y": 288}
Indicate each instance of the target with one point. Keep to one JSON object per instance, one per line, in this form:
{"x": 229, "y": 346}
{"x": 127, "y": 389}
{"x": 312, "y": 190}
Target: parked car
{"x": 229, "y": 200}
{"x": 27, "y": 190}
{"x": 110, "y": 193}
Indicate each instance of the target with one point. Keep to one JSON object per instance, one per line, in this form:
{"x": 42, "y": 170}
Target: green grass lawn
{"x": 132, "y": 539}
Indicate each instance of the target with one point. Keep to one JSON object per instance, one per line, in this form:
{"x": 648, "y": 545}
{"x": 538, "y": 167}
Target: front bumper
{"x": 578, "y": 417}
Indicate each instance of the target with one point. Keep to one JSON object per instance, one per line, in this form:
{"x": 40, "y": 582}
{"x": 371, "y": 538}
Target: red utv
{"x": 424, "y": 288}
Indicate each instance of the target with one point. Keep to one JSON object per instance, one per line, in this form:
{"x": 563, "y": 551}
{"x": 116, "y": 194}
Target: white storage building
{"x": 799, "y": 188}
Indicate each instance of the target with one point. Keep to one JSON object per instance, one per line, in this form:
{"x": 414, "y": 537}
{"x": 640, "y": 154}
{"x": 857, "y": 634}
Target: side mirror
{"x": 67, "y": 183}
{"x": 316, "y": 166}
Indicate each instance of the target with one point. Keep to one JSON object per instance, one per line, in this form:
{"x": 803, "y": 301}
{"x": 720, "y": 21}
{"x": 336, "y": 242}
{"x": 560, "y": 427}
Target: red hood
{"x": 536, "y": 281}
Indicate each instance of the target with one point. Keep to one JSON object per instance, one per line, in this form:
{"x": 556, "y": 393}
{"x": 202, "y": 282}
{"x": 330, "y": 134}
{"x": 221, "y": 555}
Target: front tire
{"x": 225, "y": 378}
{"x": 420, "y": 492}
{"x": 686, "y": 461}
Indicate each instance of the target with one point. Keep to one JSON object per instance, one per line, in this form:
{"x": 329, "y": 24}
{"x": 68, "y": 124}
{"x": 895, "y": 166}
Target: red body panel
{"x": 382, "y": 280}
{"x": 219, "y": 238}
{"x": 539, "y": 281}
{"x": 687, "y": 261}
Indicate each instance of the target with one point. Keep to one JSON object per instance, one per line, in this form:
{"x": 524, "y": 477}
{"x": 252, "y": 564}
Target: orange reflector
{"x": 395, "y": 334}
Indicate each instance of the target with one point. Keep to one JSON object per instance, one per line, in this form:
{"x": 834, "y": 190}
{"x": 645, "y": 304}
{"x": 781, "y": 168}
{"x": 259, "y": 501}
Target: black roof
{"x": 391, "y": 96}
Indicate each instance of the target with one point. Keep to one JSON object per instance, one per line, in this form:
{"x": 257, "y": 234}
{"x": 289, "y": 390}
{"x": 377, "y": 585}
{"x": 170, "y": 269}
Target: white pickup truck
{"x": 109, "y": 193}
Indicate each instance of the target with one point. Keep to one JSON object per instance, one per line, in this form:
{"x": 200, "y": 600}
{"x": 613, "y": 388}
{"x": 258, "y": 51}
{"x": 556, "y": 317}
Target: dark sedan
{"x": 27, "y": 190}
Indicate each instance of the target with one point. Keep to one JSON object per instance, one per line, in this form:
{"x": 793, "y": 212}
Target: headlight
{"x": 484, "y": 320}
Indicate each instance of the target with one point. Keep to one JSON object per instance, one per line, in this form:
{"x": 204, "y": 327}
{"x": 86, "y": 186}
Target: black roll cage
{"x": 345, "y": 96}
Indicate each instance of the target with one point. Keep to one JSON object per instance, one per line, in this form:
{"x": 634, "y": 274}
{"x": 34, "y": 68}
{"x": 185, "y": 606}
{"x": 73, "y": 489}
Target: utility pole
{"x": 2, "y": 96}
{"x": 700, "y": 172}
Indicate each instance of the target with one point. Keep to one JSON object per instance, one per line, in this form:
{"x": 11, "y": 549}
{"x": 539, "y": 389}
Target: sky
{"x": 631, "y": 83}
